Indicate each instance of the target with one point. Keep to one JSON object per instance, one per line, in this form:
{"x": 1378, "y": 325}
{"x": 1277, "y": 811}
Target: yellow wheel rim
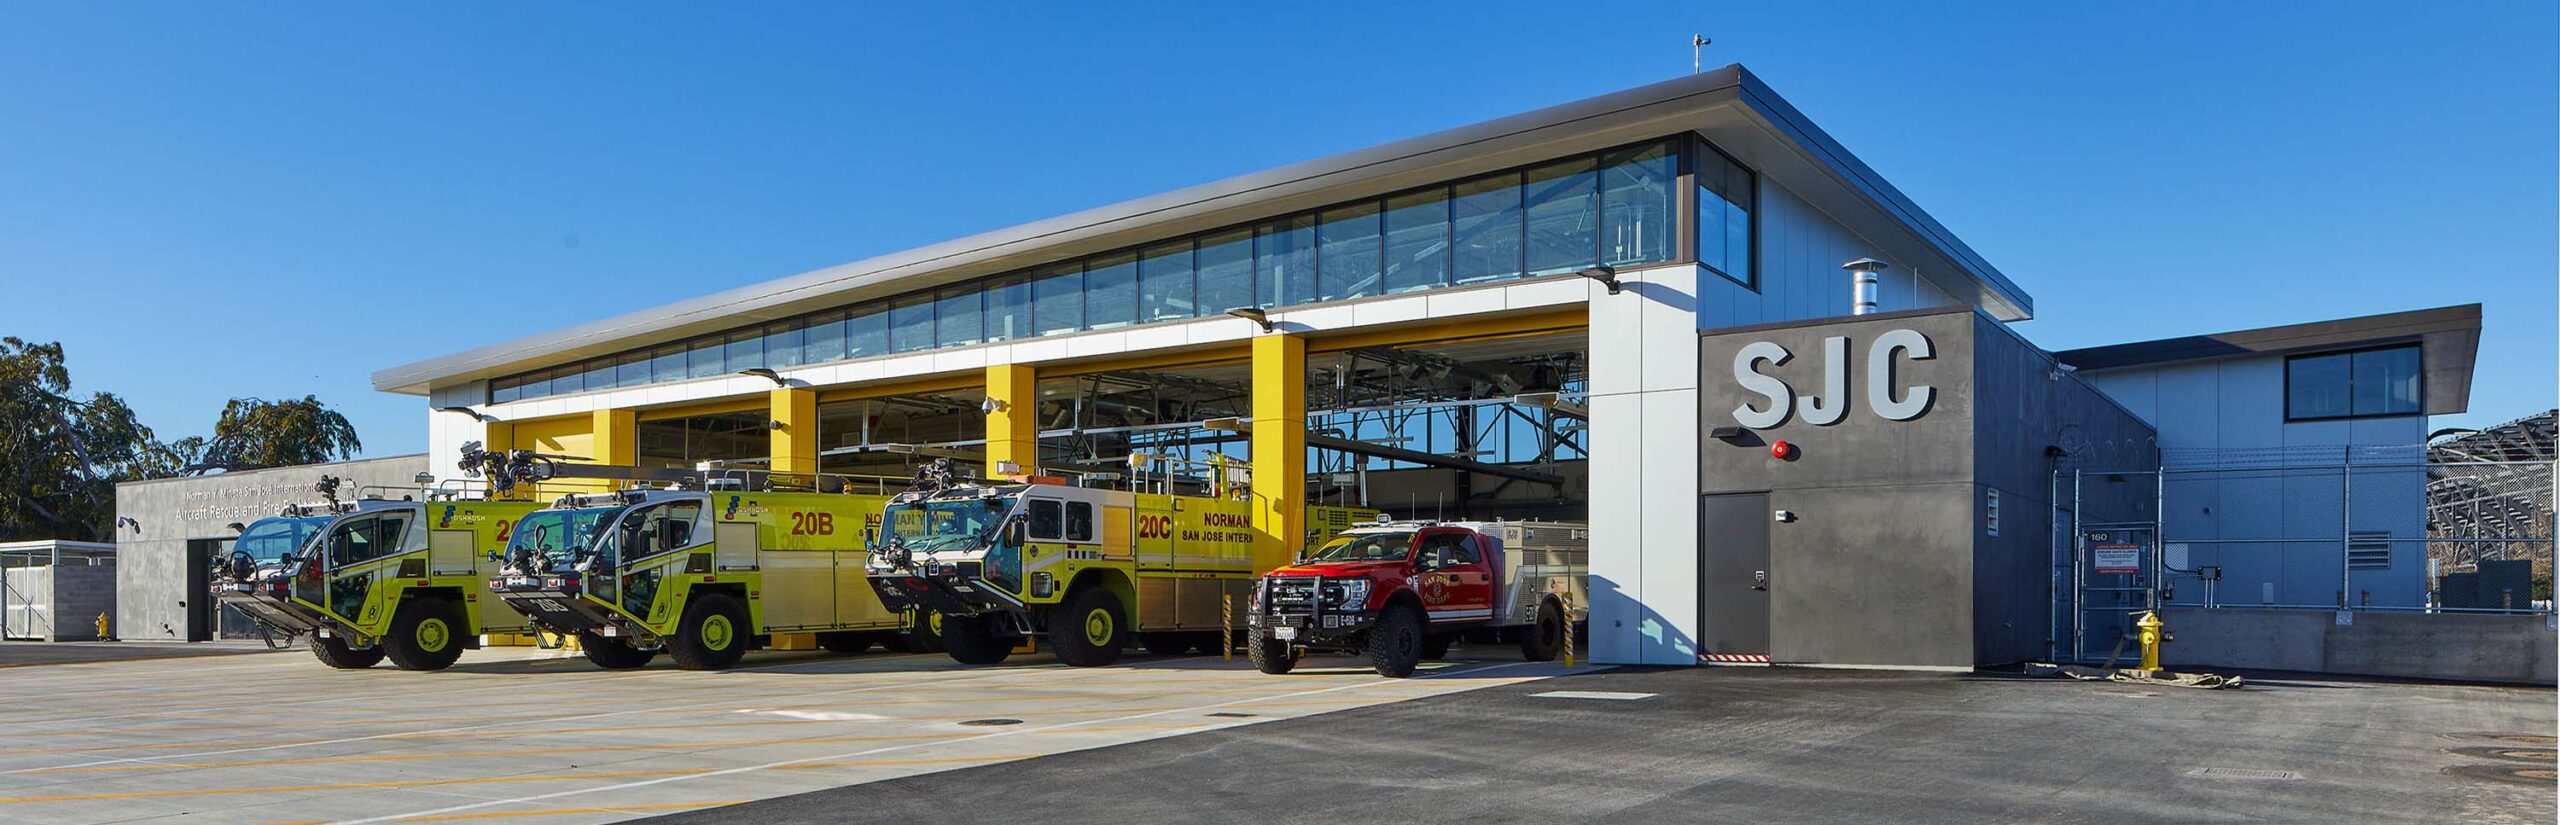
{"x": 716, "y": 632}
{"x": 933, "y": 622}
{"x": 1097, "y": 627}
{"x": 433, "y": 635}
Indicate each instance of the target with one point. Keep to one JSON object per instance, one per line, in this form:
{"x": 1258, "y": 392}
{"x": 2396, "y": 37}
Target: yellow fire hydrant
{"x": 2151, "y": 626}
{"x": 102, "y": 628}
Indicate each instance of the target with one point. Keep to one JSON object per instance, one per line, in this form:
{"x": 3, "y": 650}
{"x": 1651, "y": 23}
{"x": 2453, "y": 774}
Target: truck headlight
{"x": 1348, "y": 593}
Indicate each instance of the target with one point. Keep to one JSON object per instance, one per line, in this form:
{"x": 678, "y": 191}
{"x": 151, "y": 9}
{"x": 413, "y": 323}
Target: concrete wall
{"x": 1877, "y": 568}
{"x": 2025, "y": 409}
{"x": 152, "y": 596}
{"x": 2460, "y": 646}
{"x": 2215, "y": 417}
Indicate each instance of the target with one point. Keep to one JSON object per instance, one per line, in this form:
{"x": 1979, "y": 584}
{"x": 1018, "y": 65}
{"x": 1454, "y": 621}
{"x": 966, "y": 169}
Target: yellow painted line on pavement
{"x": 602, "y": 809}
{"x": 344, "y": 786}
{"x": 407, "y": 757}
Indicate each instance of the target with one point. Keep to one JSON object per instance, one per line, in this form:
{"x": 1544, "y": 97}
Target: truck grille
{"x": 1295, "y": 595}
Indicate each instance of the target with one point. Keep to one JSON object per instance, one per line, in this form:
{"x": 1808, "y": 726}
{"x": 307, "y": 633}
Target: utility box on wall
{"x": 1847, "y": 472}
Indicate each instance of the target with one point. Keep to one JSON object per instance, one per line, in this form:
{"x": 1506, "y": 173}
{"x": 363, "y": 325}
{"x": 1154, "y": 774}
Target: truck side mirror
{"x": 1017, "y": 533}
{"x": 870, "y": 537}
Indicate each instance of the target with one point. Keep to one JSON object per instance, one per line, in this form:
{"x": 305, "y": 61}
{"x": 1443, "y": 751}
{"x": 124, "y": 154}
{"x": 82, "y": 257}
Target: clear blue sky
{"x": 211, "y": 200}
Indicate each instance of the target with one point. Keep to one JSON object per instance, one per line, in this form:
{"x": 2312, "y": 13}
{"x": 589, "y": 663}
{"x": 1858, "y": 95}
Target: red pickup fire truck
{"x": 1402, "y": 591}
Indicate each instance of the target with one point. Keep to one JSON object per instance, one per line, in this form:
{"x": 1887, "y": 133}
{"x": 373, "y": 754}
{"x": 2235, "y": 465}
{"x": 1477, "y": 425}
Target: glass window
{"x": 633, "y": 371}
{"x": 506, "y": 389}
{"x": 596, "y": 375}
{"x": 2316, "y": 387}
{"x": 745, "y": 350}
{"x": 1226, "y": 271}
{"x": 1057, "y": 299}
{"x": 911, "y": 323}
{"x": 1724, "y": 216}
{"x": 1637, "y": 206}
{"x": 1484, "y": 228}
{"x": 1008, "y": 308}
{"x": 1048, "y": 519}
{"x": 1417, "y": 247}
{"x": 866, "y": 331}
{"x": 1284, "y": 254}
{"x": 1111, "y": 291}
{"x": 1164, "y": 283}
{"x": 782, "y": 346}
{"x": 1563, "y": 204}
{"x": 1079, "y": 521}
{"x": 2353, "y": 384}
{"x": 667, "y": 364}
{"x": 956, "y": 317}
{"x": 705, "y": 359}
{"x": 823, "y": 340}
{"x": 2386, "y": 381}
{"x": 1347, "y": 247}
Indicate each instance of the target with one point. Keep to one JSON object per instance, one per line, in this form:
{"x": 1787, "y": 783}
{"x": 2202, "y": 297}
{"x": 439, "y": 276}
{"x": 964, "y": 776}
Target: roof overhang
{"x": 2448, "y": 339}
{"x": 1730, "y": 106}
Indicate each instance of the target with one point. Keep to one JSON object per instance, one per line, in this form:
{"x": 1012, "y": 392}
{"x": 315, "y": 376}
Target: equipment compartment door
{"x": 1733, "y": 575}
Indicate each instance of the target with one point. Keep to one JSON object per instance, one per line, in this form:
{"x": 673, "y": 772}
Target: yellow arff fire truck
{"x": 698, "y": 574}
{"x": 375, "y": 576}
{"x": 1084, "y": 567}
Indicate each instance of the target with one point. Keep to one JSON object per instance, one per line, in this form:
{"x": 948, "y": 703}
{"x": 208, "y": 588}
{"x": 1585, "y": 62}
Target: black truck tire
{"x": 1544, "y": 638}
{"x": 923, "y": 634}
{"x": 613, "y": 654}
{"x": 1090, "y": 629}
{"x": 973, "y": 640}
{"x": 714, "y": 635}
{"x": 1395, "y": 643}
{"x": 1269, "y": 655}
{"x": 335, "y": 653}
{"x": 1166, "y": 643}
{"x": 426, "y": 634}
{"x": 1435, "y": 647}
{"x": 847, "y": 641}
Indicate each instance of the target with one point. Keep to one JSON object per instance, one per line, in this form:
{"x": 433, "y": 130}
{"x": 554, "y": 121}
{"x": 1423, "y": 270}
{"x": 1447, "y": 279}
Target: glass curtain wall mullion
{"x": 1621, "y": 206}
{"x": 1165, "y": 288}
{"x": 1416, "y": 227}
{"x": 1348, "y": 250}
{"x": 1111, "y": 290}
{"x": 1057, "y": 297}
{"x": 1561, "y": 208}
{"x": 959, "y": 316}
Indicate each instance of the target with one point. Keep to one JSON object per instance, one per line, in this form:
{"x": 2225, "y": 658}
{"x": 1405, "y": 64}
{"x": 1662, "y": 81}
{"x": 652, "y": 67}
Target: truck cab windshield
{"x": 555, "y": 535}
{"x": 945, "y": 522}
{"x": 1366, "y": 547}
{"x": 272, "y": 539}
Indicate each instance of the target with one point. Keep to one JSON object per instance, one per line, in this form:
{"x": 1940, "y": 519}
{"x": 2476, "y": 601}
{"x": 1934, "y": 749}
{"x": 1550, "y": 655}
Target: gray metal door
{"x": 1733, "y": 575}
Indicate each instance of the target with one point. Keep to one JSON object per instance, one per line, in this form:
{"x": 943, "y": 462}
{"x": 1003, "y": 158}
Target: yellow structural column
{"x": 1279, "y": 445}
{"x": 617, "y": 437}
{"x": 1013, "y": 421}
{"x": 795, "y": 441}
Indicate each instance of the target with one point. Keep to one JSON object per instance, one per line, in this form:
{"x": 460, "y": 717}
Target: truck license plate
{"x": 520, "y": 581}
{"x": 1284, "y": 633}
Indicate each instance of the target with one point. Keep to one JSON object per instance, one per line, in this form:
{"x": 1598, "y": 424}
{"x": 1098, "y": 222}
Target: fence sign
{"x": 2114, "y": 553}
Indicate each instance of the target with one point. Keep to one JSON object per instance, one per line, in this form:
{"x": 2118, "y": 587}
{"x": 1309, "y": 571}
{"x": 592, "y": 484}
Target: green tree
{"x": 255, "y": 433}
{"x": 61, "y": 457}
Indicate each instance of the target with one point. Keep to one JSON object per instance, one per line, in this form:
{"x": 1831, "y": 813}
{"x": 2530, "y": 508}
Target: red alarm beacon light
{"x": 1782, "y": 451}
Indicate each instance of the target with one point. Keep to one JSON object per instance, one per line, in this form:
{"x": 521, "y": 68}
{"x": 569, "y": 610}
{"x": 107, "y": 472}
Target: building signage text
{"x": 1778, "y": 400}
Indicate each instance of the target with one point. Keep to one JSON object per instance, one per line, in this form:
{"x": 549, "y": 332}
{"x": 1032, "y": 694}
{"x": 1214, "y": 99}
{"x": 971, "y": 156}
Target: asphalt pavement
{"x": 1785, "y": 745}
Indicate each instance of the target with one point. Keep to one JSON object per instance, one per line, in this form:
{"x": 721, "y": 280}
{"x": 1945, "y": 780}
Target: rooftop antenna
{"x": 1697, "y": 46}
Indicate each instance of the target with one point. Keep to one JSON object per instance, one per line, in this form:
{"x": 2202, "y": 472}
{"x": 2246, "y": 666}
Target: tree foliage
{"x": 255, "y": 433}
{"x": 61, "y": 456}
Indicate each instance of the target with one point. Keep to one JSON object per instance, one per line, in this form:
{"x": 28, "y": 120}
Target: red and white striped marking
{"x": 1734, "y": 658}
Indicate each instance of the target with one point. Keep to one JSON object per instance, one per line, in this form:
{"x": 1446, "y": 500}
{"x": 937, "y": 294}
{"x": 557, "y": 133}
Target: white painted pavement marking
{"x": 1593, "y": 694}
{"x": 861, "y": 753}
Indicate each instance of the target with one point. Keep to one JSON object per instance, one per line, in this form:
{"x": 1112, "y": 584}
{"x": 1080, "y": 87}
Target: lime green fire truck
{"x": 698, "y": 574}
{"x": 375, "y": 577}
{"x": 1086, "y": 568}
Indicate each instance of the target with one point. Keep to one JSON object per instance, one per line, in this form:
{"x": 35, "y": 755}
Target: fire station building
{"x": 1613, "y": 310}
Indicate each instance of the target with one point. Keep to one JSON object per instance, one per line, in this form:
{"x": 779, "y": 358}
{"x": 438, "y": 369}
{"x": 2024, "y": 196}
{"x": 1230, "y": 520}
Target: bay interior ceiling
{"x": 1440, "y": 424}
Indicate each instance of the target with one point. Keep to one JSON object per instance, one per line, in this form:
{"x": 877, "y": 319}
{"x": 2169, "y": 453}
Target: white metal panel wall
{"x": 446, "y": 432}
{"x": 1801, "y": 250}
{"x": 1644, "y": 443}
